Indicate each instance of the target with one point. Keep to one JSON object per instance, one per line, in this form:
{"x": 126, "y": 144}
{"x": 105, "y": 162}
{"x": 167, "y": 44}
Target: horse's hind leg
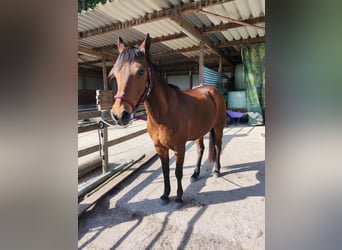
{"x": 218, "y": 145}
{"x": 179, "y": 154}
{"x": 200, "y": 149}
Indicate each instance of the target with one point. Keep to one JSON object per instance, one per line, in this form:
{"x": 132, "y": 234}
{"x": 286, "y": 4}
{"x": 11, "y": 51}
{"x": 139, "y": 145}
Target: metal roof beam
{"x": 153, "y": 40}
{"x": 152, "y": 17}
{"x": 193, "y": 33}
{"x": 176, "y": 51}
{"x": 204, "y": 30}
{"x": 96, "y": 53}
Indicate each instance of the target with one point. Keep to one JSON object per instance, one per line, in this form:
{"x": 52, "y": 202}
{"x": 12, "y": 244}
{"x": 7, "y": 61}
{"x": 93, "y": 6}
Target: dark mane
{"x": 128, "y": 55}
{"x": 160, "y": 77}
{"x": 174, "y": 86}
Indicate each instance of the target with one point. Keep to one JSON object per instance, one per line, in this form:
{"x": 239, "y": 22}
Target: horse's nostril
{"x": 125, "y": 116}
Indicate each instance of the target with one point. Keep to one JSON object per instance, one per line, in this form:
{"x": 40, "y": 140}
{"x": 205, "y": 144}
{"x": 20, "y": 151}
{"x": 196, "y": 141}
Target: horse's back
{"x": 206, "y": 109}
{"x": 210, "y": 94}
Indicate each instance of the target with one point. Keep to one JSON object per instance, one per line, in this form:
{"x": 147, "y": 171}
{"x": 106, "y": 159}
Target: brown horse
{"x": 173, "y": 116}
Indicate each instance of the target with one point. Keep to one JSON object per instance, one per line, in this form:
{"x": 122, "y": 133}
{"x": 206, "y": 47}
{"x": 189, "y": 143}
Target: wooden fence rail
{"x": 89, "y": 121}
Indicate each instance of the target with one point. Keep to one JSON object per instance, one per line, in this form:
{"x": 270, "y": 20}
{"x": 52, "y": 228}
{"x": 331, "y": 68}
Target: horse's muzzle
{"x": 123, "y": 118}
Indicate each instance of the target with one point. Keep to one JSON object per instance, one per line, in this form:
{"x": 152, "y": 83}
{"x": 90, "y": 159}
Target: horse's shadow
{"x": 193, "y": 197}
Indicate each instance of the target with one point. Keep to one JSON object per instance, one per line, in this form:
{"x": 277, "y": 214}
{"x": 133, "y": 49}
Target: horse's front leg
{"x": 163, "y": 154}
{"x": 179, "y": 154}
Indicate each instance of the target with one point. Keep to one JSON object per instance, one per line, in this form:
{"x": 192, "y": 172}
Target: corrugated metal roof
{"x": 132, "y": 19}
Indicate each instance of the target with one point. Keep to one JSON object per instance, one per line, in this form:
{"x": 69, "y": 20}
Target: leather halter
{"x": 143, "y": 97}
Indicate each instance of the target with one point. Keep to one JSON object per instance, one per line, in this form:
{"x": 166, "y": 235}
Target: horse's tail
{"x": 212, "y": 151}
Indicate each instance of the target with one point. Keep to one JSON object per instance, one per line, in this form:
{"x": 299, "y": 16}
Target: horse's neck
{"x": 157, "y": 103}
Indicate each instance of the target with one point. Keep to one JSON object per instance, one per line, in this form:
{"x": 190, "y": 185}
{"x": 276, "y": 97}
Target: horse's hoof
{"x": 179, "y": 203}
{"x": 193, "y": 179}
{"x": 216, "y": 174}
{"x": 164, "y": 202}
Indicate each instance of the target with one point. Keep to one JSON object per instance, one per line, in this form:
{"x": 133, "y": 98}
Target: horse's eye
{"x": 140, "y": 72}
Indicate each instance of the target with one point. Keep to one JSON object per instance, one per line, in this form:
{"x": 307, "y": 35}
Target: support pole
{"x": 104, "y": 73}
{"x": 104, "y": 144}
{"x": 190, "y": 79}
{"x": 220, "y": 64}
{"x": 104, "y": 129}
{"x": 201, "y": 64}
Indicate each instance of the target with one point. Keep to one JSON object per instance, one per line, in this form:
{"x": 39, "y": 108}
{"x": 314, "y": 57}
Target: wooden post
{"x": 190, "y": 79}
{"x": 201, "y": 64}
{"x": 220, "y": 70}
{"x": 104, "y": 129}
{"x": 104, "y": 144}
{"x": 220, "y": 64}
{"x": 104, "y": 73}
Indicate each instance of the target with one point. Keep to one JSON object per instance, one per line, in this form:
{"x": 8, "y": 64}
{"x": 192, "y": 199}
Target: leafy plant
{"x": 86, "y": 4}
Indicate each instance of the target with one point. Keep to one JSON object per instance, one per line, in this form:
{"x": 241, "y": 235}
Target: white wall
{"x": 183, "y": 81}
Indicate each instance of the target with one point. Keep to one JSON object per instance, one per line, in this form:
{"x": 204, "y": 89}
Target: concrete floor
{"x": 218, "y": 213}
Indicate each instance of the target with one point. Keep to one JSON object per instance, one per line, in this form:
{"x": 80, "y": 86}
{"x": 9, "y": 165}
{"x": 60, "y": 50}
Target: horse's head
{"x": 132, "y": 73}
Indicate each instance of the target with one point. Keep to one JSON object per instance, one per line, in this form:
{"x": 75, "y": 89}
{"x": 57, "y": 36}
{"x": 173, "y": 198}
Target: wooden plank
{"x": 88, "y": 114}
{"x": 104, "y": 99}
{"x": 95, "y": 148}
{"x": 96, "y": 53}
{"x": 87, "y": 128}
{"x": 89, "y": 201}
{"x": 159, "y": 39}
{"x": 175, "y": 51}
{"x": 86, "y": 96}
{"x": 86, "y": 166}
{"x": 95, "y": 114}
{"x": 127, "y": 137}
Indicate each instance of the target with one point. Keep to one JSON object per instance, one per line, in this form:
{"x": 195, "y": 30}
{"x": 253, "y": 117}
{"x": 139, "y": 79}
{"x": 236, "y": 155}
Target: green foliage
{"x": 254, "y": 65}
{"x": 89, "y": 4}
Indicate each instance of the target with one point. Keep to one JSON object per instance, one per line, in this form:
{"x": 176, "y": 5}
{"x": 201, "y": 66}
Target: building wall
{"x": 183, "y": 81}
{"x": 90, "y": 82}
{"x": 94, "y": 83}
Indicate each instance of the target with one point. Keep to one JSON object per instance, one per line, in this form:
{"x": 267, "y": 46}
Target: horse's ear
{"x": 121, "y": 45}
{"x": 145, "y": 45}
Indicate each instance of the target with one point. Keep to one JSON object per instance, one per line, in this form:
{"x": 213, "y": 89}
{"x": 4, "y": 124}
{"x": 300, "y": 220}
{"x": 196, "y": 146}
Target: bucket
{"x": 237, "y": 100}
